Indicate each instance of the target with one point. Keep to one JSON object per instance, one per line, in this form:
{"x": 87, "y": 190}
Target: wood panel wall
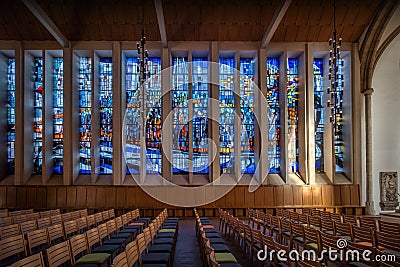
{"x": 126, "y": 197}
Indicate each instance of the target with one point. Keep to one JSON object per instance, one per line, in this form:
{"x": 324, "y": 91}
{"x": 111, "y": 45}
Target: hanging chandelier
{"x": 336, "y": 83}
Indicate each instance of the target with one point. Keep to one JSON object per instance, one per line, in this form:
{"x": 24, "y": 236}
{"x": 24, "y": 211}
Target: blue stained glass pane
{"x": 37, "y": 119}
{"x": 274, "y": 151}
{"x": 200, "y": 114}
{"x": 226, "y": 114}
{"x": 247, "y": 115}
{"x": 11, "y": 115}
{"x": 319, "y": 114}
{"x": 179, "y": 96}
{"x": 85, "y": 114}
{"x": 338, "y": 140}
{"x": 58, "y": 103}
{"x": 293, "y": 116}
{"x": 106, "y": 150}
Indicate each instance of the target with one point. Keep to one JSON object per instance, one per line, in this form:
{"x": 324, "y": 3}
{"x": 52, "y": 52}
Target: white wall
{"x": 386, "y": 115}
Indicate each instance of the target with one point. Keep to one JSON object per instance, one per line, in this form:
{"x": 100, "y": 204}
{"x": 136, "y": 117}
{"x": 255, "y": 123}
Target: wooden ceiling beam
{"x": 38, "y": 12}
{"x": 276, "y": 20}
{"x": 161, "y": 22}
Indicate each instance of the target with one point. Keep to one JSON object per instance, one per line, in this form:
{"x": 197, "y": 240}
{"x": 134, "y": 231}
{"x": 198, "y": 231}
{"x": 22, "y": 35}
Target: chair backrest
{"x": 267, "y": 241}
{"x": 336, "y": 217}
{"x": 55, "y": 232}
{"x": 75, "y": 215}
{"x": 388, "y": 241}
{"x": 306, "y": 211}
{"x": 111, "y": 213}
{"x": 325, "y": 215}
{"x": 362, "y": 234}
{"x": 281, "y": 247}
{"x": 132, "y": 253}
{"x": 81, "y": 223}
{"x": 125, "y": 219}
{"x": 92, "y": 237}
{"x": 343, "y": 229}
{"x": 119, "y": 223}
{"x": 35, "y": 260}
{"x": 297, "y": 230}
{"x": 37, "y": 238}
{"x": 6, "y": 221}
{"x": 3, "y": 213}
{"x": 120, "y": 260}
{"x": 389, "y": 227}
{"x": 43, "y": 222}
{"x": 98, "y": 217}
{"x": 303, "y": 219}
{"x": 314, "y": 221}
{"x": 141, "y": 243}
{"x": 285, "y": 225}
{"x": 103, "y": 231}
{"x": 83, "y": 213}
{"x": 275, "y": 222}
{"x": 286, "y": 214}
{"x": 16, "y": 213}
{"x": 59, "y": 254}
{"x": 105, "y": 215}
{"x": 111, "y": 226}
{"x": 70, "y": 228}
{"x": 10, "y": 231}
{"x": 350, "y": 219}
{"x": 20, "y": 218}
{"x": 147, "y": 236}
{"x": 329, "y": 241}
{"x": 78, "y": 245}
{"x": 28, "y": 226}
{"x": 12, "y": 246}
{"x": 33, "y": 216}
{"x": 55, "y": 212}
{"x": 279, "y": 212}
{"x": 328, "y": 224}
{"x": 66, "y": 216}
{"x": 368, "y": 222}
{"x": 91, "y": 221}
{"x": 351, "y": 246}
{"x": 294, "y": 216}
{"x": 312, "y": 236}
{"x": 45, "y": 214}
{"x": 56, "y": 219}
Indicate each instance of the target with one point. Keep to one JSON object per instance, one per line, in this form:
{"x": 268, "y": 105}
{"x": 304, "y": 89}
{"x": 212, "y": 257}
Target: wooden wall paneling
{"x": 337, "y": 197}
{"x": 230, "y": 199}
{"x": 355, "y": 195}
{"x": 240, "y": 197}
{"x": 110, "y": 197}
{"x": 100, "y": 197}
{"x": 91, "y": 196}
{"x": 297, "y": 195}
{"x": 41, "y": 197}
{"x": 51, "y": 197}
{"x": 81, "y": 197}
{"x": 11, "y": 197}
{"x": 249, "y": 198}
{"x": 307, "y": 196}
{"x": 345, "y": 195}
{"x": 327, "y": 195}
{"x": 288, "y": 195}
{"x": 259, "y": 199}
{"x": 145, "y": 200}
{"x": 316, "y": 195}
{"x": 71, "y": 197}
{"x": 269, "y": 196}
{"x": 21, "y": 197}
{"x": 278, "y": 195}
{"x": 131, "y": 197}
{"x": 61, "y": 197}
{"x": 3, "y": 197}
{"x": 120, "y": 200}
{"x": 31, "y": 197}
{"x": 221, "y": 202}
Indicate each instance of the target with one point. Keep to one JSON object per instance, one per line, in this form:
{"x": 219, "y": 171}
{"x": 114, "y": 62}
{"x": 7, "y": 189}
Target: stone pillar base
{"x": 370, "y": 208}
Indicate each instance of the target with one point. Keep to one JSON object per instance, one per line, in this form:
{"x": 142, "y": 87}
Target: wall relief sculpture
{"x": 388, "y": 186}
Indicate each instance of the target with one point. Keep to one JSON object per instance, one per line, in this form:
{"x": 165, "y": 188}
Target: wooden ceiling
{"x": 188, "y": 20}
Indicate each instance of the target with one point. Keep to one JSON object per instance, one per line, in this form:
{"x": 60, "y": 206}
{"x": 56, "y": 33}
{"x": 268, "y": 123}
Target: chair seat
{"x": 166, "y": 230}
{"x": 286, "y": 233}
{"x": 216, "y": 240}
{"x": 156, "y": 258}
{"x": 358, "y": 264}
{"x": 391, "y": 252}
{"x": 163, "y": 241}
{"x": 93, "y": 258}
{"x": 211, "y": 235}
{"x": 121, "y": 235}
{"x": 298, "y": 239}
{"x": 225, "y": 257}
{"x": 174, "y": 219}
{"x": 328, "y": 232}
{"x": 116, "y": 241}
{"x": 110, "y": 249}
{"x": 230, "y": 265}
{"x": 313, "y": 246}
{"x": 220, "y": 248}
{"x": 167, "y": 248}
{"x": 129, "y": 230}
{"x": 166, "y": 235}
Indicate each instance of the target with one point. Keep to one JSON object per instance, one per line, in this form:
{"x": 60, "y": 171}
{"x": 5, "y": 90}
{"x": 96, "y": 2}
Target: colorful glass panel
{"x": 11, "y": 115}
{"x": 338, "y": 139}
{"x": 58, "y": 103}
{"x": 319, "y": 114}
{"x": 106, "y": 110}
{"x": 37, "y": 115}
{"x": 293, "y": 114}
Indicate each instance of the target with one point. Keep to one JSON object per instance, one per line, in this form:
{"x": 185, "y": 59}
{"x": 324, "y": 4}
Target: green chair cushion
{"x": 167, "y": 231}
{"x": 225, "y": 257}
{"x": 96, "y": 258}
{"x": 312, "y": 246}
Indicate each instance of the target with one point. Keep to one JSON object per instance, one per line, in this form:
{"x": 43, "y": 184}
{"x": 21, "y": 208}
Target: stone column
{"x": 368, "y": 130}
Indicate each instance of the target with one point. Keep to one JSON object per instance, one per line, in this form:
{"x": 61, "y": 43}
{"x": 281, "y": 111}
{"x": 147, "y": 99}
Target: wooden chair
{"x": 297, "y": 237}
{"x": 111, "y": 213}
{"x": 351, "y": 246}
{"x": 388, "y": 243}
{"x": 276, "y": 227}
{"x": 66, "y": 217}
{"x": 120, "y": 260}
{"x": 257, "y": 242}
{"x": 350, "y": 219}
{"x": 105, "y": 215}
{"x": 3, "y": 213}
{"x": 268, "y": 242}
{"x": 28, "y": 226}
{"x": 75, "y": 215}
{"x": 56, "y": 234}
{"x": 303, "y": 219}
{"x": 95, "y": 244}
{"x": 70, "y": 228}
{"x": 294, "y": 217}
{"x": 389, "y": 227}
{"x": 55, "y": 212}
{"x": 328, "y": 226}
{"x": 12, "y": 249}
{"x": 33, "y": 216}
{"x": 331, "y": 241}
{"x": 314, "y": 222}
{"x": 45, "y": 214}
{"x": 279, "y": 247}
{"x": 336, "y": 217}
{"x": 38, "y": 240}
{"x": 81, "y": 224}
{"x": 98, "y": 218}
{"x": 80, "y": 252}
{"x": 367, "y": 222}
{"x": 83, "y": 213}
{"x": 56, "y": 219}
{"x": 343, "y": 230}
{"x": 279, "y": 212}
{"x": 20, "y": 218}
{"x": 286, "y": 232}
{"x": 43, "y": 222}
{"x": 315, "y": 212}
{"x": 6, "y": 221}
{"x": 35, "y": 260}
{"x": 363, "y": 235}
{"x": 15, "y": 213}
{"x": 132, "y": 253}
{"x": 10, "y": 231}
{"x": 151, "y": 258}
{"x": 59, "y": 254}
{"x": 312, "y": 239}
{"x": 91, "y": 221}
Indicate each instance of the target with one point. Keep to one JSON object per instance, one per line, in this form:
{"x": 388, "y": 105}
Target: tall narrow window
{"x": 180, "y": 93}
{"x": 37, "y": 115}
{"x": 338, "y": 139}
{"x": 227, "y": 114}
{"x": 85, "y": 114}
{"x": 293, "y": 116}
{"x": 58, "y": 101}
{"x": 106, "y": 110}
{"x": 247, "y": 115}
{"x": 200, "y": 114}
{"x": 11, "y": 115}
{"x": 319, "y": 114}
{"x": 132, "y": 115}
{"x": 153, "y": 121}
{"x": 274, "y": 151}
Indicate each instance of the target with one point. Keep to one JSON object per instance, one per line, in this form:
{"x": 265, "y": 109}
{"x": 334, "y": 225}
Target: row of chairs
{"x": 42, "y": 239}
{"x": 6, "y": 213}
{"x": 154, "y": 247}
{"x": 298, "y": 237}
{"x": 214, "y": 251}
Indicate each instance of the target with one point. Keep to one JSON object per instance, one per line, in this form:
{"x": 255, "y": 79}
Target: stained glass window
{"x": 274, "y": 151}
{"x": 247, "y": 115}
{"x": 226, "y": 113}
{"x": 293, "y": 116}
{"x": 105, "y": 74}
{"x": 85, "y": 114}
{"x": 58, "y": 100}
{"x": 319, "y": 114}
{"x": 200, "y": 114}
{"x": 11, "y": 115}
{"x": 132, "y": 115}
{"x": 38, "y": 116}
{"x": 180, "y": 79}
{"x": 338, "y": 144}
